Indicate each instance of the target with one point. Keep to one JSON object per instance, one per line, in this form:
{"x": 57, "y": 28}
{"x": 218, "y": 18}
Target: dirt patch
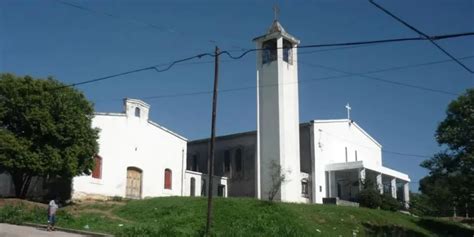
{"x": 16, "y": 201}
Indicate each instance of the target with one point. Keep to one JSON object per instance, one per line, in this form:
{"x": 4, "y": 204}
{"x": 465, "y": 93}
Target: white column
{"x": 379, "y": 183}
{"x": 393, "y": 187}
{"x": 406, "y": 194}
{"x": 361, "y": 178}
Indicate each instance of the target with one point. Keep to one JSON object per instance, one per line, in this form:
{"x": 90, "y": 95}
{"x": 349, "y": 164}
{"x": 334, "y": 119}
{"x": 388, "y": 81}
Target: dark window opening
{"x": 287, "y": 52}
{"x": 238, "y": 160}
{"x": 203, "y": 188}
{"x": 220, "y": 190}
{"x": 193, "y": 187}
{"x": 320, "y": 188}
{"x": 168, "y": 176}
{"x": 194, "y": 165}
{"x": 356, "y": 155}
{"x": 269, "y": 52}
{"x": 137, "y": 112}
{"x": 226, "y": 161}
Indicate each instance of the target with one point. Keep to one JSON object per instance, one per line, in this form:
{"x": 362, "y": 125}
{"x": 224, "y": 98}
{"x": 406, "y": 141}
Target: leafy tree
{"x": 451, "y": 172}
{"x": 45, "y": 130}
{"x": 420, "y": 205}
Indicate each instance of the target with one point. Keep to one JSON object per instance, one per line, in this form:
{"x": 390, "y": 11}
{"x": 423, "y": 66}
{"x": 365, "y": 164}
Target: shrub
{"x": 12, "y": 215}
{"x": 370, "y": 198}
{"x": 116, "y": 198}
{"x": 389, "y": 203}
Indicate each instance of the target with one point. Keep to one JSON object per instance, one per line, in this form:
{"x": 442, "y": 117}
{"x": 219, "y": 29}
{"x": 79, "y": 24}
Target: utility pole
{"x": 210, "y": 162}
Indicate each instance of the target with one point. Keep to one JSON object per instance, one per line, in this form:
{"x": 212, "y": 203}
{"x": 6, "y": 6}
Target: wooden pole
{"x": 210, "y": 163}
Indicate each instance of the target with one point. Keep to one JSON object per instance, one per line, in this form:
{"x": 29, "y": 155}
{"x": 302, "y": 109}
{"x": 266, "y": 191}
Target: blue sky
{"x": 51, "y": 38}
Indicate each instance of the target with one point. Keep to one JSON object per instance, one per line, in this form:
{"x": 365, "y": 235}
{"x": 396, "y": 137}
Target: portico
{"x": 345, "y": 180}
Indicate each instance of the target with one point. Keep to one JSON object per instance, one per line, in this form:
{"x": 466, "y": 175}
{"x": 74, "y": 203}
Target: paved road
{"x": 7, "y": 230}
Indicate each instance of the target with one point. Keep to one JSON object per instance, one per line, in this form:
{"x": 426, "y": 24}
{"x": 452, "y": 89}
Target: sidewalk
{"x": 7, "y": 230}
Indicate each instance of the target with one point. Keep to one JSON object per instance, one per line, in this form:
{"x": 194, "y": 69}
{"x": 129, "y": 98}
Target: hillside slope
{"x": 185, "y": 216}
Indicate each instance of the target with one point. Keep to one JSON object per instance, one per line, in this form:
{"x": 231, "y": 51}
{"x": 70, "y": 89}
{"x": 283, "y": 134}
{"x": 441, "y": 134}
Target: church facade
{"x": 302, "y": 162}
{"x": 139, "y": 158}
{"x": 318, "y": 159}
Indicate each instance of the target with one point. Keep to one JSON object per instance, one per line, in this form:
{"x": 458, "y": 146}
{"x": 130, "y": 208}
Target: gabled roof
{"x": 149, "y": 122}
{"x": 352, "y": 123}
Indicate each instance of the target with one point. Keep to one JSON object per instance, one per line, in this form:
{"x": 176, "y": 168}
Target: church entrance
{"x": 134, "y": 183}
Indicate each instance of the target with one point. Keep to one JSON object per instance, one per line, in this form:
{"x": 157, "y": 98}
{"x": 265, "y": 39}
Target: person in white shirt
{"x": 52, "y": 208}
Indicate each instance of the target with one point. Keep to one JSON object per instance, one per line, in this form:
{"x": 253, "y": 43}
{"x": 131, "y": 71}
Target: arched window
{"x": 97, "y": 171}
{"x": 193, "y": 187}
{"x": 195, "y": 163}
{"x": 168, "y": 175}
{"x": 238, "y": 160}
{"x": 226, "y": 161}
{"x": 137, "y": 112}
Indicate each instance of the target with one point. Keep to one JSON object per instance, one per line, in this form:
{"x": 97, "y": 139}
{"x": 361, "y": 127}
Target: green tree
{"x": 45, "y": 130}
{"x": 451, "y": 172}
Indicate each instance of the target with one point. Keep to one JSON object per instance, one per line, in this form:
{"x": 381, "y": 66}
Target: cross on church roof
{"x": 276, "y": 12}
{"x": 348, "y": 107}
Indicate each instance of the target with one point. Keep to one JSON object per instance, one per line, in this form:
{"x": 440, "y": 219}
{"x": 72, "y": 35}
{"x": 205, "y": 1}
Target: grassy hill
{"x": 185, "y": 216}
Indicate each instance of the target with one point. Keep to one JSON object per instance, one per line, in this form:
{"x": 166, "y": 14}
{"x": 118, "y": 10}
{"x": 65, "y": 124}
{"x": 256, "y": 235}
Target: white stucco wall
{"x": 278, "y": 122}
{"x": 129, "y": 141}
{"x": 331, "y": 138}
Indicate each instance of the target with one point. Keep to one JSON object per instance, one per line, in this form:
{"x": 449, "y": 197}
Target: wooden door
{"x": 134, "y": 183}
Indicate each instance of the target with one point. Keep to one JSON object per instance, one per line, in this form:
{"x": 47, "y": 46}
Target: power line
{"x": 316, "y": 79}
{"x": 363, "y": 75}
{"x": 155, "y": 68}
{"x": 83, "y": 8}
{"x": 405, "y": 154}
{"x": 372, "y": 148}
{"x": 431, "y": 39}
{"x": 171, "y": 64}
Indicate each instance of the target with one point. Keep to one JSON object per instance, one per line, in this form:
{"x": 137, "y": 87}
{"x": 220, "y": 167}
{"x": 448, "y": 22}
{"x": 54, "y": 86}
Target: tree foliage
{"x": 45, "y": 130}
{"x": 451, "y": 172}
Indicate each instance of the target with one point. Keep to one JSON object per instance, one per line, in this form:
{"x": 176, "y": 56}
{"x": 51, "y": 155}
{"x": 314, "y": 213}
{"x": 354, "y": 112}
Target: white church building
{"x": 138, "y": 158}
{"x": 320, "y": 159}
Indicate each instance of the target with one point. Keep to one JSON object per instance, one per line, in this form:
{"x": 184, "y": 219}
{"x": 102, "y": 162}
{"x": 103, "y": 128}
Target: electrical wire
{"x": 153, "y": 97}
{"x": 199, "y": 56}
{"x": 429, "y": 38}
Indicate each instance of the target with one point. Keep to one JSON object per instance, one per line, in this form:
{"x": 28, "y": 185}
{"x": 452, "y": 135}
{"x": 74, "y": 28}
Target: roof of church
{"x": 276, "y": 29}
{"x": 304, "y": 124}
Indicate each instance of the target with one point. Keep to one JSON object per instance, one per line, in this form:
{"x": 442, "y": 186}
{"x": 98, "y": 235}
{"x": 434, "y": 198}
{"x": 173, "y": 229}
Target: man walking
{"x": 52, "y": 208}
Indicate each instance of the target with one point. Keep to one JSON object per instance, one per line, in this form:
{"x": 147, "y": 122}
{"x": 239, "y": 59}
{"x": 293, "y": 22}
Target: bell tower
{"x": 277, "y": 114}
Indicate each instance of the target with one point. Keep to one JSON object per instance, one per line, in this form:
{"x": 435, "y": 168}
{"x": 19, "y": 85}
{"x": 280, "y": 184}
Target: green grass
{"x": 185, "y": 216}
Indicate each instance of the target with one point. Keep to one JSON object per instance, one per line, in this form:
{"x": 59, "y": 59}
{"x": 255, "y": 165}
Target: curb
{"x": 82, "y": 232}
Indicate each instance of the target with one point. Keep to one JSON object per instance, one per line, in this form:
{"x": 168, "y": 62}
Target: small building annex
{"x": 138, "y": 158}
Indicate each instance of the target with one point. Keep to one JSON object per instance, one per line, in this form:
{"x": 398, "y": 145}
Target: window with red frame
{"x": 168, "y": 178}
{"x": 97, "y": 171}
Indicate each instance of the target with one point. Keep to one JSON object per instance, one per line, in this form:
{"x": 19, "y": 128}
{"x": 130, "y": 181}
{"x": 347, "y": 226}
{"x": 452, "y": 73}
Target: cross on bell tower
{"x": 276, "y": 12}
